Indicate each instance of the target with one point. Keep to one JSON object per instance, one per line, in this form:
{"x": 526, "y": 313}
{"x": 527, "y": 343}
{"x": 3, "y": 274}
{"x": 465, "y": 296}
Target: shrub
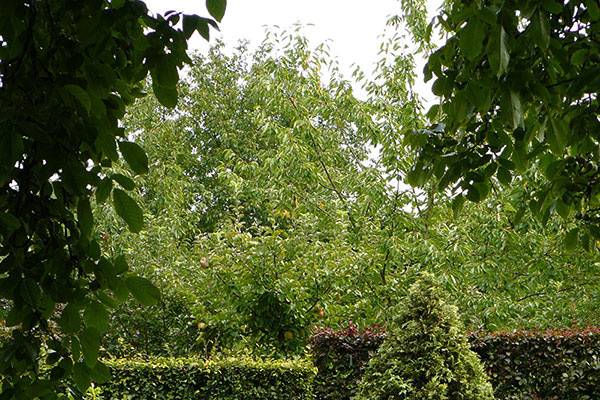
{"x": 228, "y": 379}
{"x": 524, "y": 365}
{"x": 556, "y": 364}
{"x": 426, "y": 355}
{"x": 341, "y": 357}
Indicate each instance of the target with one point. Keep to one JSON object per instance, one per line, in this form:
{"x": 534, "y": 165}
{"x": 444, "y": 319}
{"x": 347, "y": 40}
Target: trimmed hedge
{"x": 341, "y": 357}
{"x": 228, "y": 379}
{"x": 524, "y": 365}
{"x": 550, "y": 365}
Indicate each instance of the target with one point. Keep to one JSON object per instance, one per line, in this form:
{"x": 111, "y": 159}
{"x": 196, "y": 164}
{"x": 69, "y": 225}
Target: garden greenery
{"x": 548, "y": 364}
{"x": 68, "y": 69}
{"x": 265, "y": 232}
{"x": 226, "y": 379}
{"x": 426, "y": 354}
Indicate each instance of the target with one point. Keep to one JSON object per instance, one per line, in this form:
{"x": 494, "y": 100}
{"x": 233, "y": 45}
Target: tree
{"x": 241, "y": 218}
{"x": 519, "y": 83}
{"x": 68, "y": 69}
{"x": 274, "y": 206}
{"x": 426, "y": 354}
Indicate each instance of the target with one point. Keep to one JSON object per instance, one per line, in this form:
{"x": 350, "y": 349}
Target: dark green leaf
{"x": 90, "y": 345}
{"x": 81, "y": 95}
{"x": 81, "y": 376}
{"x": 103, "y": 190}
{"x": 9, "y": 222}
{"x": 165, "y": 72}
{"x": 216, "y": 8}
{"x": 120, "y": 265}
{"x": 85, "y": 218}
{"x": 504, "y": 176}
{"x": 129, "y": 210}
{"x": 167, "y": 96}
{"x": 70, "y": 320}
{"x": 471, "y": 38}
{"x": 135, "y": 156}
{"x": 541, "y": 30}
{"x": 579, "y": 57}
{"x": 96, "y": 316}
{"x": 143, "y": 290}
{"x": 497, "y": 51}
{"x": 125, "y": 182}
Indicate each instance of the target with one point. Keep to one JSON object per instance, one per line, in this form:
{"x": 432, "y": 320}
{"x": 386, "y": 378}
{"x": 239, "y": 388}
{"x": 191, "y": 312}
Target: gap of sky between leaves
{"x": 352, "y": 28}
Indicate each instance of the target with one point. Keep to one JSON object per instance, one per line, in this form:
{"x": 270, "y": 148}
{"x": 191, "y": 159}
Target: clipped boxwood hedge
{"x": 227, "y": 379}
{"x": 523, "y": 365}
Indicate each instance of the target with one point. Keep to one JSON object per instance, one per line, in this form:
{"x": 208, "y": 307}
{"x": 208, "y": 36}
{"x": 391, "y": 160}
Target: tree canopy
{"x": 518, "y": 83}
{"x": 68, "y": 69}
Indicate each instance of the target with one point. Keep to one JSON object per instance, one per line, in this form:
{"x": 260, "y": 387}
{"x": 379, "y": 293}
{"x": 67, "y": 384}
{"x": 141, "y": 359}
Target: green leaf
{"x": 478, "y": 96}
{"x": 129, "y": 210}
{"x": 103, "y": 190}
{"x": 125, "y": 182}
{"x": 516, "y": 111}
{"x": 81, "y": 95}
{"x": 165, "y": 72}
{"x": 593, "y": 8}
{"x": 473, "y": 194}
{"x": 120, "y": 265}
{"x": 120, "y": 290}
{"x": 457, "y": 205}
{"x": 558, "y": 135}
{"x": 497, "y": 52}
{"x": 190, "y": 23}
{"x": 81, "y": 376}
{"x": 96, "y": 316}
{"x": 100, "y": 373}
{"x": 442, "y": 86}
{"x": 571, "y": 239}
{"x": 579, "y": 57}
{"x": 90, "y": 345}
{"x": 106, "y": 143}
{"x": 167, "y": 96}
{"x": 541, "y": 30}
{"x": 70, "y": 320}
{"x": 85, "y": 218}
{"x": 216, "y": 8}
{"x": 8, "y": 222}
{"x": 504, "y": 176}
{"x": 143, "y": 290}
{"x": 471, "y": 38}
{"x": 135, "y": 156}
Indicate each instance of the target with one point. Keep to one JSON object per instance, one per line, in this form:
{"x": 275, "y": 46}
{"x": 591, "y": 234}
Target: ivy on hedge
{"x": 524, "y": 365}
{"x": 227, "y": 379}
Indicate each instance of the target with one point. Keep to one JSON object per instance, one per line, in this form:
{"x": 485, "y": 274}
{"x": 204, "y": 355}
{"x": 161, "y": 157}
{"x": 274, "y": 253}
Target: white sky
{"x": 352, "y": 27}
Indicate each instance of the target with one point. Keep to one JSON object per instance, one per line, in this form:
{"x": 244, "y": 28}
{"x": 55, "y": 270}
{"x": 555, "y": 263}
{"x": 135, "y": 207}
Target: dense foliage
{"x": 518, "y": 82}
{"x": 264, "y": 232}
{"x": 227, "y": 379}
{"x": 341, "y": 357}
{"x": 548, "y": 364}
{"x": 553, "y": 364}
{"x": 68, "y": 69}
{"x": 426, "y": 354}
{"x": 261, "y": 230}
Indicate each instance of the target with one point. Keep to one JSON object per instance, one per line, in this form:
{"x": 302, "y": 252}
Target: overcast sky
{"x": 351, "y": 26}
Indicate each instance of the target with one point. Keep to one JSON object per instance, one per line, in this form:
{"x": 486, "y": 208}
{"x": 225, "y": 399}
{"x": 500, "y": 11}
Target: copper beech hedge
{"x": 524, "y": 365}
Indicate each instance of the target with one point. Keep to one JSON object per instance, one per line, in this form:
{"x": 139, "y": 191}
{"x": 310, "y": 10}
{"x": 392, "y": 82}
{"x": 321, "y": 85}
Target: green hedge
{"x": 550, "y": 365}
{"x": 523, "y": 365}
{"x": 228, "y": 379}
